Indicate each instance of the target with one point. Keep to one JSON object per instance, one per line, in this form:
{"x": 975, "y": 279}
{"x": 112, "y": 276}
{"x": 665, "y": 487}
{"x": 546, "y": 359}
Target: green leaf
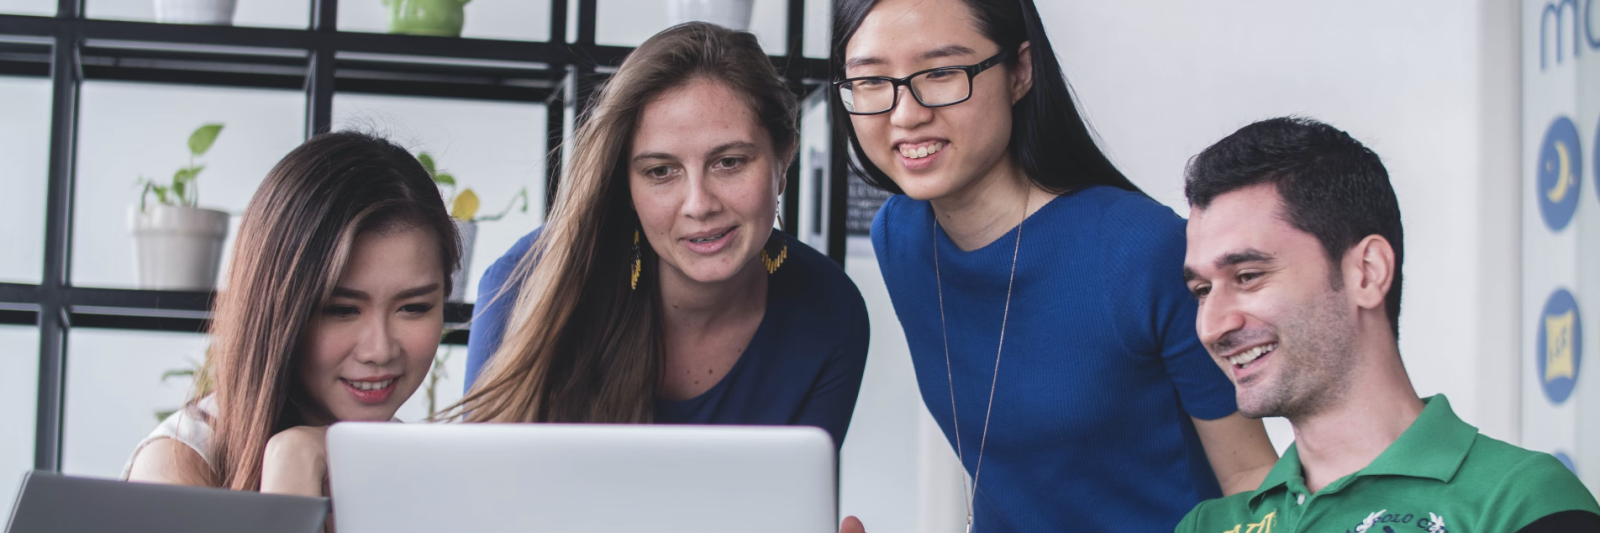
{"x": 177, "y": 373}
{"x": 161, "y": 416}
{"x": 444, "y": 178}
{"x": 179, "y": 187}
{"x": 200, "y": 141}
{"x": 427, "y": 163}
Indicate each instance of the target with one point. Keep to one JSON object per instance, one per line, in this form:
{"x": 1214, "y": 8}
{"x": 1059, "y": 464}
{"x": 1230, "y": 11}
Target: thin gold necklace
{"x": 949, "y": 375}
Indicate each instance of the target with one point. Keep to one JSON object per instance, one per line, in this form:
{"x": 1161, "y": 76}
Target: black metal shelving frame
{"x": 319, "y": 60}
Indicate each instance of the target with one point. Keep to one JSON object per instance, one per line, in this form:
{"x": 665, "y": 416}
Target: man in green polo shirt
{"x": 1294, "y": 253}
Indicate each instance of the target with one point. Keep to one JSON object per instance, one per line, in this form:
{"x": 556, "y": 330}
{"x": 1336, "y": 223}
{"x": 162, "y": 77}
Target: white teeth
{"x": 712, "y": 238}
{"x": 1252, "y": 354}
{"x": 370, "y": 385}
{"x": 921, "y": 152}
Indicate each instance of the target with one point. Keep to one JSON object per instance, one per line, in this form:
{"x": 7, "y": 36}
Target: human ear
{"x": 1369, "y": 271}
{"x": 1022, "y": 77}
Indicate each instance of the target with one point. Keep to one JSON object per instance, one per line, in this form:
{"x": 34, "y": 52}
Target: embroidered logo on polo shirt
{"x": 1384, "y": 521}
{"x": 1264, "y": 526}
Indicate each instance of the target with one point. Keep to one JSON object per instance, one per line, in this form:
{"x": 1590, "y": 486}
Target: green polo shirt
{"x": 1440, "y": 476}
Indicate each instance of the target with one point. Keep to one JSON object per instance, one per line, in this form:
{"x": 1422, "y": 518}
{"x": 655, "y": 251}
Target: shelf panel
{"x": 185, "y": 311}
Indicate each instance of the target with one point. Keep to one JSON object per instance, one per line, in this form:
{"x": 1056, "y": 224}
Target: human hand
{"x": 852, "y": 524}
{"x": 296, "y": 462}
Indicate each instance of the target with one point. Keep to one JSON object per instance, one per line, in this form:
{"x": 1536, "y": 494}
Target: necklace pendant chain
{"x": 971, "y": 492}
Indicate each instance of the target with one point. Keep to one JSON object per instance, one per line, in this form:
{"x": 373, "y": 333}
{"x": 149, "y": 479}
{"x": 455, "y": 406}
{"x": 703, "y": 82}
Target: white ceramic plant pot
{"x": 468, "y": 231}
{"x": 218, "y": 12}
{"x": 178, "y": 248}
{"x": 731, "y": 14}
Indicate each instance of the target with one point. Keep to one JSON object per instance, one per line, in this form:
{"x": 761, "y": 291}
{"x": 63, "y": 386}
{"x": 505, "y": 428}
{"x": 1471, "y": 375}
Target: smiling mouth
{"x": 367, "y": 386}
{"x": 1243, "y": 359}
{"x": 920, "y": 150}
{"x": 711, "y": 238}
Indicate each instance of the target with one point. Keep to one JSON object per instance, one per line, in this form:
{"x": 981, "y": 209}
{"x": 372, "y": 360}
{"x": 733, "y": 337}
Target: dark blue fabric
{"x": 802, "y": 368}
{"x": 1101, "y": 371}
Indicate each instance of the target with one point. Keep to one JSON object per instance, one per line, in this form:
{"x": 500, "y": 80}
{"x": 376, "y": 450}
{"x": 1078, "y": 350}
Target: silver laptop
{"x": 429, "y": 478}
{"x": 55, "y": 503}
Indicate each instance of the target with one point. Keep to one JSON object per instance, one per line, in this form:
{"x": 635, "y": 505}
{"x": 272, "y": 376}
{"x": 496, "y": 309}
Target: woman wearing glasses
{"x": 1040, "y": 291}
{"x": 658, "y": 290}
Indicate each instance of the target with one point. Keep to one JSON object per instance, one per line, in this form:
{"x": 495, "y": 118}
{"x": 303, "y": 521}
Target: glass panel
{"x": 19, "y": 383}
{"x": 494, "y": 148}
{"x": 115, "y": 390}
{"x": 517, "y": 20}
{"x": 25, "y": 148}
{"x": 819, "y": 26}
{"x": 268, "y": 13}
{"x": 129, "y": 130}
{"x": 45, "y": 8}
{"x": 630, "y": 22}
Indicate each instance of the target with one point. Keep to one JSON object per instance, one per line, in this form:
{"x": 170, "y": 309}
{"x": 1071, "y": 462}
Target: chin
{"x": 923, "y": 188}
{"x": 371, "y": 414}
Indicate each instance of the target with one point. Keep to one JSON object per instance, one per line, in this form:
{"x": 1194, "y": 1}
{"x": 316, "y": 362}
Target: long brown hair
{"x": 293, "y": 243}
{"x": 582, "y": 345}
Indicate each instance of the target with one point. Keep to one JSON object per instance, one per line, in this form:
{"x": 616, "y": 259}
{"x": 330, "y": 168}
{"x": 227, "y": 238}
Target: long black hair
{"x": 1049, "y": 139}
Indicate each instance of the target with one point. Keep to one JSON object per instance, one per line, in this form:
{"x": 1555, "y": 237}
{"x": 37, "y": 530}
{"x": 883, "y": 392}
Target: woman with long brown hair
{"x": 658, "y": 291}
{"x": 332, "y": 311}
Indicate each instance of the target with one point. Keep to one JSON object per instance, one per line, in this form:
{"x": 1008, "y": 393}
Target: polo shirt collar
{"x": 1433, "y": 447}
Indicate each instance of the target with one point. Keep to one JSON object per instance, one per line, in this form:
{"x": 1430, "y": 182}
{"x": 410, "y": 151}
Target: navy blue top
{"x": 803, "y": 366}
{"x": 1101, "y": 370}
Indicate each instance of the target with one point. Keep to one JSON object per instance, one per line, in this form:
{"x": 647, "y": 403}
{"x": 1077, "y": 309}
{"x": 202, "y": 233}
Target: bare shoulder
{"x": 166, "y": 460}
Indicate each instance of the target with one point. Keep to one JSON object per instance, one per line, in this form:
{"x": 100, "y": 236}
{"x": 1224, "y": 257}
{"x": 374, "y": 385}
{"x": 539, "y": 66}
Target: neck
{"x": 691, "y": 306}
{"x": 1377, "y": 406}
{"x": 986, "y": 208}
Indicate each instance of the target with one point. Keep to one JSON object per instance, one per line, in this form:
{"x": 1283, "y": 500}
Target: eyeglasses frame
{"x": 971, "y": 70}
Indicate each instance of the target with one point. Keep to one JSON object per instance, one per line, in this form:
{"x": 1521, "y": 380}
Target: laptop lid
{"x": 55, "y": 503}
{"x": 403, "y": 478}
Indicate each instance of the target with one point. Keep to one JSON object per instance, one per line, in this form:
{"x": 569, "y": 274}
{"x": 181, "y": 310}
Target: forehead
{"x": 1251, "y": 218}
{"x": 396, "y": 253}
{"x": 895, "y": 29}
{"x": 699, "y": 115}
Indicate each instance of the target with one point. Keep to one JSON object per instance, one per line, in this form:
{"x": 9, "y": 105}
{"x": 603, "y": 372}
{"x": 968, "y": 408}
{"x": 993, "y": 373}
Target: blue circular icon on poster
{"x": 1560, "y": 347}
{"x": 1560, "y": 169}
{"x": 1566, "y": 461}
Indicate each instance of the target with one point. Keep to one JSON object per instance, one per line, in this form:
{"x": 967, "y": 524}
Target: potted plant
{"x": 441, "y": 18}
{"x": 178, "y": 245}
{"x": 731, "y": 14}
{"x": 219, "y": 12}
{"x": 464, "y": 210}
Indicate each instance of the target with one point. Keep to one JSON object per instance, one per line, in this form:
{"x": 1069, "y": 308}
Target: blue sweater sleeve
{"x": 832, "y": 399}
{"x": 493, "y": 309}
{"x": 1144, "y": 246}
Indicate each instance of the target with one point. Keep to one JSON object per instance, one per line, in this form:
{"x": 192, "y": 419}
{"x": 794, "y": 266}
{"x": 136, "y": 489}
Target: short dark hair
{"x": 1332, "y": 186}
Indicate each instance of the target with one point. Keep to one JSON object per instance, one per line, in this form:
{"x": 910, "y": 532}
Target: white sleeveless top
{"x": 187, "y": 426}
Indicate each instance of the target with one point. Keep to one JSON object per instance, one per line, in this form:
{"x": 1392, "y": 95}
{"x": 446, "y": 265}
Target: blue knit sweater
{"x": 1101, "y": 370}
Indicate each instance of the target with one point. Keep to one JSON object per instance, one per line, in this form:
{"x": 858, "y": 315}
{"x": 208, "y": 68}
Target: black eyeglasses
{"x": 935, "y": 87}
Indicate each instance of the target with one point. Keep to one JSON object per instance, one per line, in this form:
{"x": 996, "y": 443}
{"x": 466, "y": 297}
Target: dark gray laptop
{"x": 55, "y": 503}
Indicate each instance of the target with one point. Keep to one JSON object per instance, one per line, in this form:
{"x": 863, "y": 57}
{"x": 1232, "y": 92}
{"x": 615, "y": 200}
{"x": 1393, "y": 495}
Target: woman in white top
{"x": 332, "y": 311}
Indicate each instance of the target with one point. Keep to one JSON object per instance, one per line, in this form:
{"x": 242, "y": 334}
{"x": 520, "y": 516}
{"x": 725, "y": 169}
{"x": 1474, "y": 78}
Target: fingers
{"x": 852, "y": 525}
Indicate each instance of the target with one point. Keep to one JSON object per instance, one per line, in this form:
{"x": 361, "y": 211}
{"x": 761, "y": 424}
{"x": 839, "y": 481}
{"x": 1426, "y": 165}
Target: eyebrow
{"x": 1250, "y": 255}
{"x": 724, "y": 147}
{"x": 949, "y": 50}
{"x": 346, "y": 292}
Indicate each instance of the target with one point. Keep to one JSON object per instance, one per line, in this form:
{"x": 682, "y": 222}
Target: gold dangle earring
{"x": 638, "y": 264}
{"x": 776, "y": 250}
